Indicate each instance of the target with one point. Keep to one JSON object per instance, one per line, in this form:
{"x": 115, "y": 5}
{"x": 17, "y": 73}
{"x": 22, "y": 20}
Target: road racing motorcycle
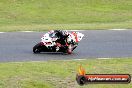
{"x": 48, "y": 43}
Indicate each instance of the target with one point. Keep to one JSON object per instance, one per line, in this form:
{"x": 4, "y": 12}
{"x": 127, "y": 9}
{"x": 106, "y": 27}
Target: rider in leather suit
{"x": 62, "y": 36}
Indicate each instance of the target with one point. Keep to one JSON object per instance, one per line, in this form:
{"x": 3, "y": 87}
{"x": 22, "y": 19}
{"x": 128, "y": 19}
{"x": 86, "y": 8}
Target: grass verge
{"x": 59, "y": 74}
{"x": 43, "y": 27}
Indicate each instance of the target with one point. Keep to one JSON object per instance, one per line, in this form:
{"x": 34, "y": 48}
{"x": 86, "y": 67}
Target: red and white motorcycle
{"x": 48, "y": 43}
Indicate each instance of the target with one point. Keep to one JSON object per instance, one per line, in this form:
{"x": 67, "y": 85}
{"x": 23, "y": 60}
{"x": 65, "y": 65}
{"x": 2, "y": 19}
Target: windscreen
{"x": 52, "y": 35}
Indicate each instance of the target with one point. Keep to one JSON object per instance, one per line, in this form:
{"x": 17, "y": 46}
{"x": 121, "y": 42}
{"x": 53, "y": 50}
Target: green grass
{"x": 58, "y": 74}
{"x": 42, "y": 15}
{"x": 43, "y": 27}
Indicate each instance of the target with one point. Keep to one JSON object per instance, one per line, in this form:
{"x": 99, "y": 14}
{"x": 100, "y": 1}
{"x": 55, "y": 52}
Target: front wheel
{"x": 37, "y": 48}
{"x": 70, "y": 49}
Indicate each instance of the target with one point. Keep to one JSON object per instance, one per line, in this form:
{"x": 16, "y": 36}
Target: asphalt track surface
{"x": 17, "y": 46}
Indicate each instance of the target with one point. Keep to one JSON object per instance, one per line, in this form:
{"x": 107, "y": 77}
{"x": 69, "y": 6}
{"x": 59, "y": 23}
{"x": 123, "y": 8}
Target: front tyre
{"x": 69, "y": 50}
{"x": 37, "y": 48}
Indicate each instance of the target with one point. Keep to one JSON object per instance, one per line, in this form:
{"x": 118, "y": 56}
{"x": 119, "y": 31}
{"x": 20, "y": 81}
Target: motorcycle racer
{"x": 62, "y": 36}
{"x": 62, "y": 39}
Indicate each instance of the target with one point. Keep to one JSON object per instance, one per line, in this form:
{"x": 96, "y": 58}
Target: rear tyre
{"x": 37, "y": 48}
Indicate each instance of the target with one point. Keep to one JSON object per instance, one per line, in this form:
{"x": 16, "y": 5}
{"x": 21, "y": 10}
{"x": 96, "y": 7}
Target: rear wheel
{"x": 37, "y": 48}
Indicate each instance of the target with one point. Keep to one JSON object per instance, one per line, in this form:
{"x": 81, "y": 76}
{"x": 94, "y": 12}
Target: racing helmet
{"x": 61, "y": 32}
